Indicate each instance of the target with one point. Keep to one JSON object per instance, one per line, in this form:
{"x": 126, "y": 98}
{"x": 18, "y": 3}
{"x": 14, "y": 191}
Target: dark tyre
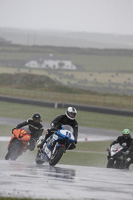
{"x": 13, "y": 151}
{"x": 110, "y": 163}
{"x": 7, "y": 157}
{"x": 56, "y": 156}
{"x": 119, "y": 165}
{"x": 38, "y": 159}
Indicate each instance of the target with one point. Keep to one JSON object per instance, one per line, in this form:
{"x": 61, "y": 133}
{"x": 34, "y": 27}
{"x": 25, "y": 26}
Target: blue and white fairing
{"x": 62, "y": 137}
{"x": 65, "y": 133}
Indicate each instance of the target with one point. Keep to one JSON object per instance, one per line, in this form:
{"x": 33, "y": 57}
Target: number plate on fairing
{"x": 67, "y": 133}
{"x": 55, "y": 137}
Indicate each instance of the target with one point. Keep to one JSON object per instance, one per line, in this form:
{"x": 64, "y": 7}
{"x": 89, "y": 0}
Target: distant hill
{"x": 36, "y": 82}
{"x": 29, "y": 81}
{"x": 67, "y": 39}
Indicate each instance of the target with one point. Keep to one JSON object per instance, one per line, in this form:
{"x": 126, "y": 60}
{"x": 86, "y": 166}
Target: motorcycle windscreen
{"x": 67, "y": 127}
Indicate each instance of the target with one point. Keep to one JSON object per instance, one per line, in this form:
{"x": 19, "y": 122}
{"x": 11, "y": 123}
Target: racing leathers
{"x": 56, "y": 124}
{"x": 127, "y": 144}
{"x": 35, "y": 129}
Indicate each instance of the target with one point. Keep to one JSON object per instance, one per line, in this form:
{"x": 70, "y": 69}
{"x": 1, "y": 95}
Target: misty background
{"x": 82, "y": 23}
{"x": 102, "y": 29}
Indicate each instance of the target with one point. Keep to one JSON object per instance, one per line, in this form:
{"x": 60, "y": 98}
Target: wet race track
{"x": 20, "y": 179}
{"x": 23, "y": 179}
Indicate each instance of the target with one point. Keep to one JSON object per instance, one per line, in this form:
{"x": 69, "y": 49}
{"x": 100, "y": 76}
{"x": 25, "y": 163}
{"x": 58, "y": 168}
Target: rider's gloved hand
{"x": 124, "y": 145}
{"x": 127, "y": 152}
{"x": 13, "y": 130}
{"x": 40, "y": 146}
{"x": 52, "y": 129}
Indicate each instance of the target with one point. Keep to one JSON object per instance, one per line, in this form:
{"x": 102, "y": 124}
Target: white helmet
{"x": 71, "y": 113}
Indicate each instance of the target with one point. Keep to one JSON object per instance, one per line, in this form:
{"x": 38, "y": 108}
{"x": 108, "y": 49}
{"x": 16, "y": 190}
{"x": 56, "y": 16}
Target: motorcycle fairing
{"x": 66, "y": 134}
{"x": 20, "y": 134}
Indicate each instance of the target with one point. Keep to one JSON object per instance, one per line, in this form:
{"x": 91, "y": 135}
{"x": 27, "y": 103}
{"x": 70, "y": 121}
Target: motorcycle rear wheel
{"x": 55, "y": 158}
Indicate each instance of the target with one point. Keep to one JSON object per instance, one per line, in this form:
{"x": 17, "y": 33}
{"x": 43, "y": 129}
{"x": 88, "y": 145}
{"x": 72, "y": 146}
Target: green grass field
{"x": 90, "y": 80}
{"x": 88, "y": 119}
{"x": 69, "y": 95}
{"x": 87, "y": 59}
{"x": 96, "y": 69}
{"x": 103, "y": 71}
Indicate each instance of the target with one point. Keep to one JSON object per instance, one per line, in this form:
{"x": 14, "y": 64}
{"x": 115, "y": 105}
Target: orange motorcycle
{"x": 18, "y": 144}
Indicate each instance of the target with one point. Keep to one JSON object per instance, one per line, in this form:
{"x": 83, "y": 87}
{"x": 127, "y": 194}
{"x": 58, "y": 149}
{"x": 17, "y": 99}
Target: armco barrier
{"x": 65, "y": 105}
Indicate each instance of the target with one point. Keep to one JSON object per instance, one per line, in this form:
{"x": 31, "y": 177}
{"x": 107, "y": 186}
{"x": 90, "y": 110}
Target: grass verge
{"x": 88, "y": 119}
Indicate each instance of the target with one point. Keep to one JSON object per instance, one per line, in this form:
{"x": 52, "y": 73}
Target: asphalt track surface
{"x": 29, "y": 180}
{"x": 22, "y": 179}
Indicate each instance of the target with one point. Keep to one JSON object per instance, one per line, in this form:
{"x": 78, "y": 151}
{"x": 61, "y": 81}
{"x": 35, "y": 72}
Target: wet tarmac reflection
{"x": 58, "y": 172}
{"x": 29, "y": 180}
{"x": 61, "y": 173}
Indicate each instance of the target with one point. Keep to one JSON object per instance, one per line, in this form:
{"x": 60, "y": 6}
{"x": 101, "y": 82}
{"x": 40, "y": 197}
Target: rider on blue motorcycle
{"x": 67, "y": 119}
{"x": 35, "y": 127}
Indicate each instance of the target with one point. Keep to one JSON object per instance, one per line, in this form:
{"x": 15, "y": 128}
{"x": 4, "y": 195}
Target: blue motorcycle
{"x": 55, "y": 146}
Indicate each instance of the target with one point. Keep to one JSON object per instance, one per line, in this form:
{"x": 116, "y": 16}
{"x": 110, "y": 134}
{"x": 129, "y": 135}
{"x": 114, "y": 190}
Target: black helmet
{"x": 36, "y": 118}
{"x": 71, "y": 113}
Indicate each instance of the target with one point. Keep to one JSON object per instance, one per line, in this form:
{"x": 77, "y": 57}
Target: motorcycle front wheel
{"x": 13, "y": 151}
{"x": 38, "y": 159}
{"x": 119, "y": 165}
{"x": 56, "y": 156}
{"x": 110, "y": 163}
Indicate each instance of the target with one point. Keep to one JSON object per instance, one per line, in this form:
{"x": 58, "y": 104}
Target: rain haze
{"x": 100, "y": 26}
{"x": 99, "y": 16}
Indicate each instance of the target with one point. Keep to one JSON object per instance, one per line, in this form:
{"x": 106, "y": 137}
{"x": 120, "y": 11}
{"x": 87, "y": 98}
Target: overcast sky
{"x": 104, "y": 16}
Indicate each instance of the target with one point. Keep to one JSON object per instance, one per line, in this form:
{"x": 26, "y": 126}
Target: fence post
{"x": 56, "y": 105}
